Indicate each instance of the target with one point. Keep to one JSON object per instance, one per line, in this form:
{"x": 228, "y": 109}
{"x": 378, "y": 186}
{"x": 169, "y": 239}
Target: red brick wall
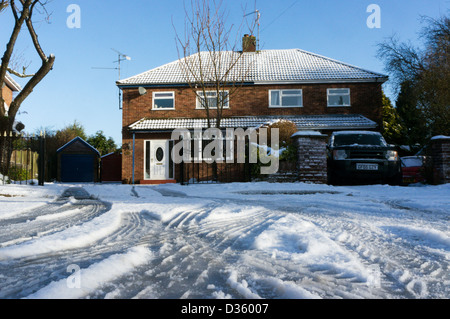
{"x": 254, "y": 100}
{"x": 7, "y": 95}
{"x": 366, "y": 99}
{"x": 440, "y": 149}
{"x": 312, "y": 158}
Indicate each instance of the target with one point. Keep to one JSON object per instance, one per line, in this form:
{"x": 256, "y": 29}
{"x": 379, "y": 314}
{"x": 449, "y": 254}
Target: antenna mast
{"x": 258, "y": 16}
{"x": 120, "y": 57}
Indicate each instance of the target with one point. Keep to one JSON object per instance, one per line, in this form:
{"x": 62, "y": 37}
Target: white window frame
{"x": 154, "y": 96}
{"x": 281, "y": 98}
{"x": 199, "y": 105}
{"x": 331, "y": 94}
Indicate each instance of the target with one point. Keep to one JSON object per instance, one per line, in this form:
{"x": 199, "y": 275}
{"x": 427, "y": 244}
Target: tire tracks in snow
{"x": 192, "y": 254}
{"x": 20, "y": 277}
{"x": 48, "y": 219}
{"x": 403, "y": 267}
{"x": 406, "y": 269}
{"x": 198, "y": 256}
{"x": 29, "y": 274}
{"x": 208, "y": 251}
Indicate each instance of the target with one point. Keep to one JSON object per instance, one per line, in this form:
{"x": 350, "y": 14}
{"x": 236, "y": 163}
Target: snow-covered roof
{"x": 262, "y": 67}
{"x": 356, "y": 132}
{"x": 440, "y": 137}
{"x": 311, "y": 122}
{"x": 75, "y": 140}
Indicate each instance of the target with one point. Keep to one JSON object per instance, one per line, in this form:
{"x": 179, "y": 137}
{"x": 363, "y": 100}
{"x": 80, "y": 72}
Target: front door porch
{"x": 158, "y": 164}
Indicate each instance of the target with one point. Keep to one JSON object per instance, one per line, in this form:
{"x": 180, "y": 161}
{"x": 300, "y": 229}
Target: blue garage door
{"x": 77, "y": 168}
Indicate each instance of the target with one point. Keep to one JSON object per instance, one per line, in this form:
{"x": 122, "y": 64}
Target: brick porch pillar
{"x": 440, "y": 153}
{"x": 311, "y": 156}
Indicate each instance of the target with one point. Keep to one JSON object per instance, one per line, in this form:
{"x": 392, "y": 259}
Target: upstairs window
{"x": 285, "y": 98}
{"x": 163, "y": 100}
{"x": 210, "y": 99}
{"x": 338, "y": 97}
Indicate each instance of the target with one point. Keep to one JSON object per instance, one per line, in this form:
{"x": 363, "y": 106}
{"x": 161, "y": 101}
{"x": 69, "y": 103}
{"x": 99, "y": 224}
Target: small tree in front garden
{"x": 285, "y": 130}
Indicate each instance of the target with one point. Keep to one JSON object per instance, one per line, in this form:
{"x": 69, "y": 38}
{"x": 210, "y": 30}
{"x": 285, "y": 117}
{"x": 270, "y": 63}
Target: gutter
{"x": 13, "y": 85}
{"x": 328, "y": 81}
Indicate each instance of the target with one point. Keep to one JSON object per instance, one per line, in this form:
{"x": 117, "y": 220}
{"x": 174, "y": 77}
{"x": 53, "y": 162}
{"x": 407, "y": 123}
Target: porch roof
{"x": 303, "y": 122}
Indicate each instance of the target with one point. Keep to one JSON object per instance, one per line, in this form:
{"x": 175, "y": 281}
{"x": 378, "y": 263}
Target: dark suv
{"x": 362, "y": 156}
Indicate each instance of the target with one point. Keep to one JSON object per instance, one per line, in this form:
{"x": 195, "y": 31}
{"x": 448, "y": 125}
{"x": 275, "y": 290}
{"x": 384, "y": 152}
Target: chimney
{"x": 248, "y": 43}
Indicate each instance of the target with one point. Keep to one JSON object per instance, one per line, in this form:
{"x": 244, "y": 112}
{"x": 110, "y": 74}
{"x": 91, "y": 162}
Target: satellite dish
{"x": 18, "y": 127}
{"x": 142, "y": 91}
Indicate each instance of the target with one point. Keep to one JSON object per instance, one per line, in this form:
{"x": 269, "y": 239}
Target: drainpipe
{"x": 134, "y": 135}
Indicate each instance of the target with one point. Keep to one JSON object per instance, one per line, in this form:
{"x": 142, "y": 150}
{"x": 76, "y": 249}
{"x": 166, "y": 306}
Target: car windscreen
{"x": 412, "y": 161}
{"x": 358, "y": 139}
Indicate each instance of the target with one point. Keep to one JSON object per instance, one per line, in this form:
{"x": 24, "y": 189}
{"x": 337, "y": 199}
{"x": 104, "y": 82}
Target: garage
{"x": 78, "y": 161}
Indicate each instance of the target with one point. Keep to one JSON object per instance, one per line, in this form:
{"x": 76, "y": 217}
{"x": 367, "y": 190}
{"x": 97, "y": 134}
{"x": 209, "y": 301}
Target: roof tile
{"x": 293, "y": 65}
{"x": 355, "y": 121}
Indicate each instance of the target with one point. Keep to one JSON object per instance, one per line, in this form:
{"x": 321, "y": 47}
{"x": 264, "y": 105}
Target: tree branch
{"x": 47, "y": 65}
{"x": 34, "y": 36}
{"x": 10, "y": 46}
{"x": 25, "y": 16}
{"x": 3, "y": 4}
{"x": 20, "y": 75}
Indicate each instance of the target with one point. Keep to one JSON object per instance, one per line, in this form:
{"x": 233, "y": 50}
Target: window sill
{"x": 212, "y": 108}
{"x": 285, "y": 107}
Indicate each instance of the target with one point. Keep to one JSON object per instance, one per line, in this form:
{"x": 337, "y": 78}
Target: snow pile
{"x": 303, "y": 243}
{"x": 241, "y": 287}
{"x": 85, "y": 281}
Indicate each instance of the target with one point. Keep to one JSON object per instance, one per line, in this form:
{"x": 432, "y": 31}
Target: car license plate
{"x": 366, "y": 167}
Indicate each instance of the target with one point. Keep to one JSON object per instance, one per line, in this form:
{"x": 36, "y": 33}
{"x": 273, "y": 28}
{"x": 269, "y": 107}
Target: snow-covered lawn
{"x": 240, "y": 240}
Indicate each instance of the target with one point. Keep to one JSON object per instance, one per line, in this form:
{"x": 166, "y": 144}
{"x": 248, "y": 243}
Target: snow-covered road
{"x": 250, "y": 240}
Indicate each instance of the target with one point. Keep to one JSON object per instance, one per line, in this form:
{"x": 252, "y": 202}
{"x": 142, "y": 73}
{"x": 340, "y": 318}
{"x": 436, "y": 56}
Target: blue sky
{"x": 76, "y": 90}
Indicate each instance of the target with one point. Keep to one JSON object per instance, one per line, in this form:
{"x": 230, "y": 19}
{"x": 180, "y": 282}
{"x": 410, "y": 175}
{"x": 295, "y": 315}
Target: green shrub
{"x": 18, "y": 174}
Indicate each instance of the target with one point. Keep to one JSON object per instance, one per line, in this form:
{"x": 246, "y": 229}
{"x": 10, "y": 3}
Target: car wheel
{"x": 332, "y": 179}
{"x": 396, "y": 180}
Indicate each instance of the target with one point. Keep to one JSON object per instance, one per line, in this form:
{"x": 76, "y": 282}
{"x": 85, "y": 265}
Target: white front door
{"x": 159, "y": 160}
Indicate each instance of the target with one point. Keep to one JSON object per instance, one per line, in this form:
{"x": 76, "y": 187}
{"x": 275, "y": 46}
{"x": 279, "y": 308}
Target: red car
{"x": 412, "y": 169}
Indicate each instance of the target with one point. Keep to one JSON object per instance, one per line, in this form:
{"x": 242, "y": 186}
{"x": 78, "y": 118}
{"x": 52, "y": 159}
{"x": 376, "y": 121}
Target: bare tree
{"x": 426, "y": 70}
{"x": 212, "y": 65}
{"x": 22, "y": 11}
{"x": 210, "y": 61}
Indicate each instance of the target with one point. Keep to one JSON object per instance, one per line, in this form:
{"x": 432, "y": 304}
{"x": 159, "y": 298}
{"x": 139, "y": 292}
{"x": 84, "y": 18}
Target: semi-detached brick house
{"x": 313, "y": 91}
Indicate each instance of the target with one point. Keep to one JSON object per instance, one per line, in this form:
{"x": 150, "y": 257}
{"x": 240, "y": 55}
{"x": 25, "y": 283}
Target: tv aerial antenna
{"x": 120, "y": 57}
{"x": 258, "y": 17}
